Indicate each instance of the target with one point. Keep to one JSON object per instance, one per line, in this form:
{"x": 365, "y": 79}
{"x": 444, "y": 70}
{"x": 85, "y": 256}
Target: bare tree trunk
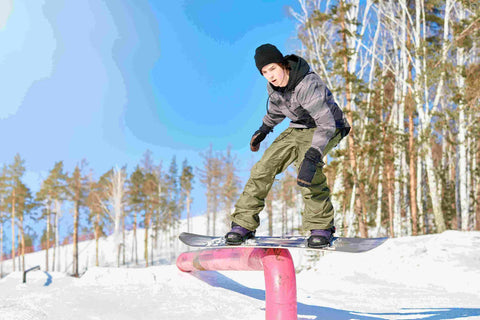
{"x": 214, "y": 217}
{"x": 425, "y": 113}
{"x": 47, "y": 242}
{"x": 97, "y": 236}
{"x": 406, "y": 201}
{"x": 135, "y": 247}
{"x": 462, "y": 142}
{"x": 57, "y": 234}
{"x": 1, "y": 247}
{"x": 390, "y": 201}
{"x": 420, "y": 182}
{"x": 54, "y": 249}
{"x": 1, "y": 243}
{"x": 351, "y": 214}
{"x": 146, "y": 223}
{"x": 123, "y": 239}
{"x": 338, "y": 192}
{"x": 413, "y": 177}
{"x": 378, "y": 216}
{"x": 116, "y": 195}
{"x": 189, "y": 202}
{"x": 433, "y": 183}
{"x": 477, "y": 186}
{"x": 208, "y": 218}
{"x": 22, "y": 242}
{"x": 13, "y": 229}
{"x": 351, "y": 146}
{"x": 75, "y": 240}
{"x": 268, "y": 205}
{"x": 18, "y": 255}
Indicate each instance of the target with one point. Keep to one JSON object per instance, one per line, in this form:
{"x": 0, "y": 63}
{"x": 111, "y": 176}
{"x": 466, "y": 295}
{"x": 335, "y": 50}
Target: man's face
{"x": 275, "y": 74}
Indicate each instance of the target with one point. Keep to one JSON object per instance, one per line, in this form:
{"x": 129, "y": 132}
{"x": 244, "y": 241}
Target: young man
{"x": 317, "y": 125}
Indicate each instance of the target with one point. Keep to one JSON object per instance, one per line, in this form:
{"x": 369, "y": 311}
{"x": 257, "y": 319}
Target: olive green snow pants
{"x": 289, "y": 147}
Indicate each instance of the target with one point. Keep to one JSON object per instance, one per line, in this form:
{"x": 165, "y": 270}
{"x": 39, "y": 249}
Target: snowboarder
{"x": 317, "y": 125}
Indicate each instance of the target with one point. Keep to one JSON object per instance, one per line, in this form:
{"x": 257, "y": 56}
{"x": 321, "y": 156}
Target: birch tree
{"x": 231, "y": 182}
{"x": 43, "y": 197}
{"x": 113, "y": 204}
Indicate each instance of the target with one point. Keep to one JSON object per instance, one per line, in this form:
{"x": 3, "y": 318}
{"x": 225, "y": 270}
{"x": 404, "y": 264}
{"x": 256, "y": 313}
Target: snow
{"x": 424, "y": 277}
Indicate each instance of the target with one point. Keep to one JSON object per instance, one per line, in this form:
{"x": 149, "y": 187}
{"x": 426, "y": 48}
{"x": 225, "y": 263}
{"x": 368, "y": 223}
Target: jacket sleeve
{"x": 316, "y": 98}
{"x": 274, "y": 115}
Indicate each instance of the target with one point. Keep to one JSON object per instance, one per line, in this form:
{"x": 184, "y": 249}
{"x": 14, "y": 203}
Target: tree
{"x": 25, "y": 204}
{"x": 3, "y": 210}
{"x": 59, "y": 193}
{"x": 186, "y": 186}
{"x": 206, "y": 178}
{"x": 150, "y": 189}
{"x": 337, "y": 31}
{"x": 136, "y": 200}
{"x": 113, "y": 201}
{"x": 389, "y": 64}
{"x": 171, "y": 203}
{"x": 211, "y": 176}
{"x": 52, "y": 192}
{"x": 231, "y": 182}
{"x": 14, "y": 172}
{"x": 97, "y": 214}
{"x": 78, "y": 188}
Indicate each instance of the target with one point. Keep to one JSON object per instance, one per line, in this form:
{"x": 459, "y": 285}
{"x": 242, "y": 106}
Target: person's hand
{"x": 259, "y": 136}
{"x": 309, "y": 166}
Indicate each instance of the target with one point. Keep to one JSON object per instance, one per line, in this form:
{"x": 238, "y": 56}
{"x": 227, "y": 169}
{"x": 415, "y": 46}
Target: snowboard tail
{"x": 341, "y": 244}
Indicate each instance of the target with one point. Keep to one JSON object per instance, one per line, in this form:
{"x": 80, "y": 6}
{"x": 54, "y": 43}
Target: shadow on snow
{"x": 216, "y": 279}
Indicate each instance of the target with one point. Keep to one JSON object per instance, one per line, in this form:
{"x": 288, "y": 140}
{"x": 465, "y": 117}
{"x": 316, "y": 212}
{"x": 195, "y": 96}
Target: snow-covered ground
{"x": 425, "y": 277}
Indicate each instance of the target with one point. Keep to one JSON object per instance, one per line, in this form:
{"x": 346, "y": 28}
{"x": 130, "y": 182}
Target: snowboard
{"x": 341, "y": 244}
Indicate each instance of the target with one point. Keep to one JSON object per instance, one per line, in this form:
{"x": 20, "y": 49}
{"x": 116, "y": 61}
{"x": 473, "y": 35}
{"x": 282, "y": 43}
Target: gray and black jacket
{"x": 307, "y": 102}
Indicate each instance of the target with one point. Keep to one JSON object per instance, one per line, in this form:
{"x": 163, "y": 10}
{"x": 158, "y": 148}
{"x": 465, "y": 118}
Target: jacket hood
{"x": 298, "y": 70}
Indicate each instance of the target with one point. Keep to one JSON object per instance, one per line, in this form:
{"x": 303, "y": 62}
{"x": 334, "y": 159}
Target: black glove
{"x": 258, "y": 137}
{"x": 309, "y": 167}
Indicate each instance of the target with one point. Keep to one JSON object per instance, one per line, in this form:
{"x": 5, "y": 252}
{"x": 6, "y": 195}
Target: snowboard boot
{"x": 238, "y": 235}
{"x": 321, "y": 238}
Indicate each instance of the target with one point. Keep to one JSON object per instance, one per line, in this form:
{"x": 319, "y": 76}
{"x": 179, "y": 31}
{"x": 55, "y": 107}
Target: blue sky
{"x": 107, "y": 80}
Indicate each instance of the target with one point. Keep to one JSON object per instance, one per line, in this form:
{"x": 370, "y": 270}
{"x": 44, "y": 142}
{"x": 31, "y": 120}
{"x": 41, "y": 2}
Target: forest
{"x": 406, "y": 73}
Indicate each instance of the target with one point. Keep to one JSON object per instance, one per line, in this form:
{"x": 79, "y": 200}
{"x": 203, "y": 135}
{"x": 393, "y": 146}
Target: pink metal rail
{"x": 277, "y": 264}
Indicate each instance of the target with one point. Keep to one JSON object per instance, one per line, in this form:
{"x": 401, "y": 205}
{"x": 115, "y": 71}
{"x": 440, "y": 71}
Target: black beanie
{"x": 266, "y": 54}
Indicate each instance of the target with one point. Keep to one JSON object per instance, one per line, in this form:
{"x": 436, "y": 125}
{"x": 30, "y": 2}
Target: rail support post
{"x": 27, "y": 271}
{"x": 277, "y": 264}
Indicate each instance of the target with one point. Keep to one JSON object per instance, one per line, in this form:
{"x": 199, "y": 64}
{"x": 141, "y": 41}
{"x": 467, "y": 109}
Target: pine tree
{"x": 3, "y": 211}
{"x": 78, "y": 188}
{"x": 150, "y": 189}
{"x": 15, "y": 172}
{"x": 97, "y": 214}
{"x": 186, "y": 186}
{"x": 52, "y": 192}
{"x": 173, "y": 203}
{"x": 25, "y": 204}
{"x": 136, "y": 200}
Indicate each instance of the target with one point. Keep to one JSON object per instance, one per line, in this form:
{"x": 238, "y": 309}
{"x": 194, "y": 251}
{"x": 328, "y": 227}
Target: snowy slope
{"x": 424, "y": 277}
